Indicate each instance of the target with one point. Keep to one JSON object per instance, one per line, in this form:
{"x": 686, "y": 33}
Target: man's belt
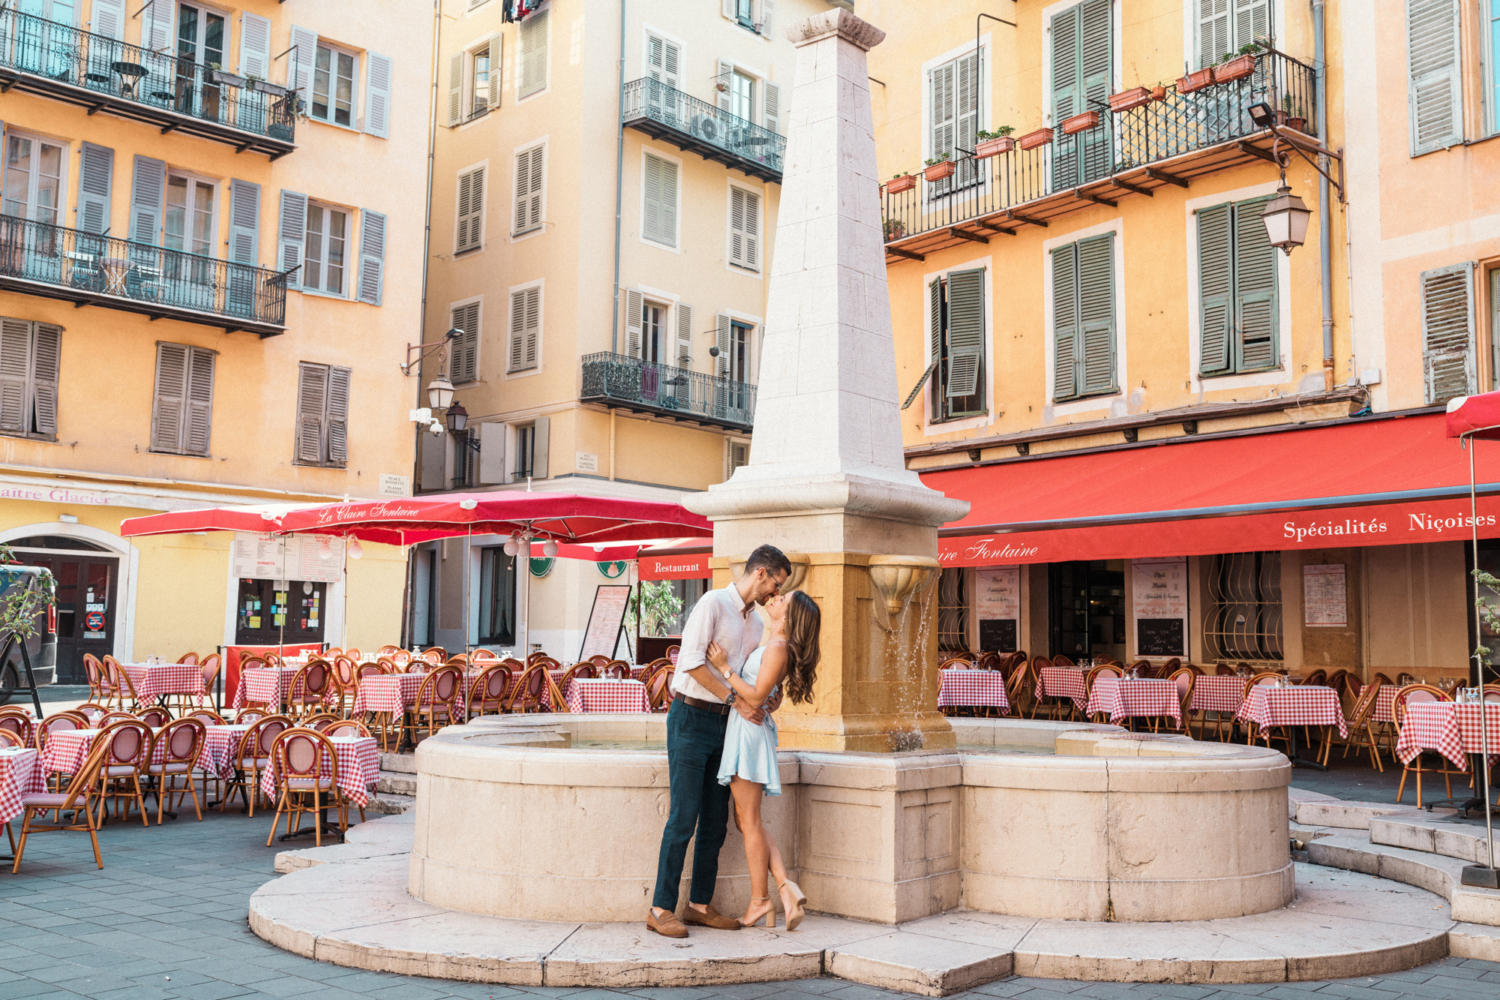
{"x": 716, "y": 707}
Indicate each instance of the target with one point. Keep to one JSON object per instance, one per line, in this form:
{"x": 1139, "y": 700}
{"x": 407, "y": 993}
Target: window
{"x": 464, "y": 365}
{"x": 182, "y": 410}
{"x": 1083, "y": 318}
{"x": 1226, "y": 25}
{"x": 744, "y": 228}
{"x": 955, "y": 346}
{"x": 333, "y": 81}
{"x": 647, "y": 341}
{"x": 733, "y": 367}
{"x": 742, "y": 95}
{"x": 1237, "y": 290}
{"x": 322, "y": 415}
{"x": 1434, "y": 81}
{"x": 424, "y": 586}
{"x": 1448, "y": 367}
{"x": 1086, "y": 608}
{"x": 1082, "y": 78}
{"x": 30, "y": 354}
{"x": 531, "y": 166}
{"x": 1243, "y": 617}
{"x": 954, "y": 120}
{"x": 1491, "y": 29}
{"x": 469, "y": 232}
{"x": 33, "y": 178}
{"x": 323, "y": 259}
{"x": 497, "y": 597}
{"x": 659, "y": 200}
{"x": 534, "y": 37}
{"x": 525, "y": 450}
{"x": 189, "y": 227}
{"x": 474, "y": 82}
{"x": 953, "y": 611}
{"x": 479, "y": 81}
{"x": 736, "y": 454}
{"x": 525, "y": 328}
{"x": 752, "y": 15}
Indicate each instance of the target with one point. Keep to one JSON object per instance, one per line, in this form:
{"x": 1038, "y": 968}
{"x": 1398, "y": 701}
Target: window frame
{"x": 483, "y": 213}
{"x": 525, "y": 446}
{"x": 938, "y": 399}
{"x": 541, "y": 195}
{"x": 354, "y": 84}
{"x": 676, "y": 245}
{"x": 730, "y": 444}
{"x": 495, "y": 556}
{"x": 349, "y": 244}
{"x": 760, "y": 229}
{"x": 64, "y": 159}
{"x": 471, "y": 85}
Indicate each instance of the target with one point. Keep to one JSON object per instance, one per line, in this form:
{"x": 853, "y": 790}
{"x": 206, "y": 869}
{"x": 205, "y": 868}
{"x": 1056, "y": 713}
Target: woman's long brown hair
{"x": 804, "y": 620}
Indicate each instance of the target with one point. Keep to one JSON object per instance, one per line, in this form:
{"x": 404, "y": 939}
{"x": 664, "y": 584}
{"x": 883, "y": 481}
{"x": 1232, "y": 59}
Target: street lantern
{"x": 458, "y": 418}
{"x": 1286, "y": 218}
{"x": 440, "y": 393}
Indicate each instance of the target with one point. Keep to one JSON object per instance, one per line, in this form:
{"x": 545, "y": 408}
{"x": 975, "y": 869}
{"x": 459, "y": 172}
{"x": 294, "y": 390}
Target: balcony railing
{"x": 633, "y": 384}
{"x": 42, "y": 259}
{"x": 699, "y": 127}
{"x": 57, "y": 60}
{"x": 1215, "y": 117}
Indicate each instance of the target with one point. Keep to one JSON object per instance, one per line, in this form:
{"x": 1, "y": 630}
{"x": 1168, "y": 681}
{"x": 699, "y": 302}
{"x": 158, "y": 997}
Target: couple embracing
{"x": 734, "y": 665}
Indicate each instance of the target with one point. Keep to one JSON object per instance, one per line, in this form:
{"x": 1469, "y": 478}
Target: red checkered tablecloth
{"x": 1063, "y": 682}
{"x": 152, "y": 680}
{"x": 390, "y": 693}
{"x": 67, "y": 748}
{"x": 593, "y": 695}
{"x": 1218, "y": 694}
{"x": 1385, "y": 699}
{"x": 1269, "y": 706}
{"x": 19, "y": 777}
{"x": 264, "y": 685}
{"x": 1449, "y": 728}
{"x": 973, "y": 689}
{"x": 1131, "y": 697}
{"x": 359, "y": 768}
{"x": 220, "y": 746}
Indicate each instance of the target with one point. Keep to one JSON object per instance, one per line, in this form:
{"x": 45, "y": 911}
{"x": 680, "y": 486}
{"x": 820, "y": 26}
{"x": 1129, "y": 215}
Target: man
{"x": 701, "y": 704}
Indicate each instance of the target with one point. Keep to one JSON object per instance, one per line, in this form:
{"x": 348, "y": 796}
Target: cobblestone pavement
{"x": 166, "y": 919}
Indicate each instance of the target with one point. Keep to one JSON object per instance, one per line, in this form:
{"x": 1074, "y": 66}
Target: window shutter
{"x": 965, "y": 331}
{"x": 1096, "y": 312}
{"x": 456, "y": 89}
{"x": 338, "y": 416}
{"x": 1066, "y": 96}
{"x": 108, "y": 19}
{"x": 200, "y": 400}
{"x": 1448, "y": 332}
{"x": 533, "y": 54}
{"x": 156, "y": 32}
{"x": 517, "y": 331}
{"x": 1215, "y": 281}
{"x": 300, "y": 73}
{"x": 470, "y": 232}
{"x": 940, "y": 85}
{"x": 744, "y": 228}
{"x": 667, "y": 220}
{"x": 170, "y": 397}
{"x": 491, "y": 453}
{"x": 671, "y": 66}
{"x": 1213, "y": 31}
{"x": 95, "y": 181}
{"x": 767, "y": 16}
{"x": 148, "y": 187}
{"x": 1252, "y": 20}
{"x": 433, "y": 459}
{"x": 46, "y": 361}
{"x": 1254, "y": 290}
{"x": 530, "y": 165}
{"x": 371, "y": 256}
{"x": 965, "y": 119}
{"x": 934, "y": 338}
{"x": 684, "y": 335}
{"x": 255, "y": 45}
{"x": 651, "y": 198}
{"x": 721, "y": 341}
{"x": 244, "y": 221}
{"x": 655, "y": 57}
{"x": 290, "y": 234}
{"x": 1096, "y": 50}
{"x": 721, "y": 91}
{"x": 1065, "y": 380}
{"x": 634, "y": 304}
{"x": 15, "y": 371}
{"x": 532, "y": 346}
{"x": 465, "y": 364}
{"x": 771, "y": 115}
{"x": 378, "y": 96}
{"x": 728, "y": 9}
{"x": 312, "y": 404}
{"x": 541, "y": 433}
{"x": 1435, "y": 89}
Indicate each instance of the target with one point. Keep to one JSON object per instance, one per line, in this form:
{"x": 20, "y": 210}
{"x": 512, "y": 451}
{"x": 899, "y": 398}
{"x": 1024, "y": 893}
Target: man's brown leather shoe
{"x": 710, "y": 919}
{"x": 667, "y": 925}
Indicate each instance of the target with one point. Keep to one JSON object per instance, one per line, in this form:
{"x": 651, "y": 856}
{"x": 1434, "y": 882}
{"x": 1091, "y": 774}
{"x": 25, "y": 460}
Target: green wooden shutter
{"x": 1067, "y": 96}
{"x": 378, "y": 96}
{"x": 1434, "y": 86}
{"x": 1255, "y": 307}
{"x": 965, "y": 119}
{"x": 1215, "y": 282}
{"x": 200, "y": 400}
{"x": 1215, "y": 23}
{"x": 1096, "y": 312}
{"x": 46, "y": 359}
{"x": 1095, "y": 71}
{"x": 1065, "y": 379}
{"x": 934, "y": 338}
{"x": 371, "y": 257}
{"x": 965, "y": 332}
{"x": 941, "y": 87}
{"x": 1448, "y": 332}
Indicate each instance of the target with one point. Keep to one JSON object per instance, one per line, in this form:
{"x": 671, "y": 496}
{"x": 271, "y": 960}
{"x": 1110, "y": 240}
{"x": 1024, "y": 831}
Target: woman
{"x": 748, "y": 767}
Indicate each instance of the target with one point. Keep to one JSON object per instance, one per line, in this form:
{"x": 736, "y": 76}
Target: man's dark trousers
{"x": 695, "y": 742}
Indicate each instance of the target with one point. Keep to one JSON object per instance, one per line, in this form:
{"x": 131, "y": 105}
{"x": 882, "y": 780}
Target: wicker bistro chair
{"x": 346, "y": 727}
{"x": 307, "y": 780}
{"x": 155, "y": 716}
{"x": 659, "y": 691}
{"x": 599, "y": 660}
{"x": 1020, "y": 687}
{"x": 10, "y": 739}
{"x": 584, "y": 670}
{"x": 77, "y": 798}
{"x": 386, "y": 650}
{"x": 210, "y": 665}
{"x": 345, "y": 667}
{"x": 252, "y": 758}
{"x": 1105, "y": 670}
{"x": 128, "y": 746}
{"x": 352, "y": 652}
{"x": 535, "y": 691}
{"x": 433, "y": 655}
{"x": 439, "y": 698}
{"x": 616, "y": 669}
{"x": 17, "y": 721}
{"x": 1317, "y": 678}
{"x": 320, "y": 721}
{"x": 483, "y": 657}
{"x": 1361, "y": 731}
{"x": 188, "y": 658}
{"x": 99, "y": 688}
{"x": 123, "y": 685}
{"x": 1410, "y": 695}
{"x": 400, "y": 658}
{"x": 488, "y": 690}
{"x": 207, "y": 716}
{"x": 180, "y": 744}
{"x": 248, "y": 664}
{"x": 1185, "y": 680}
{"x": 310, "y": 688}
{"x": 56, "y": 722}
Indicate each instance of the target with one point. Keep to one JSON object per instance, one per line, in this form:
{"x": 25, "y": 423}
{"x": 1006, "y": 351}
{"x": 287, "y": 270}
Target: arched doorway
{"x": 89, "y": 595}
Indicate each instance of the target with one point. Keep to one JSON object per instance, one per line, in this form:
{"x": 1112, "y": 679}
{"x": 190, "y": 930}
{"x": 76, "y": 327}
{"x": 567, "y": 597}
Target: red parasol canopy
{"x": 261, "y": 518}
{"x": 1475, "y": 416}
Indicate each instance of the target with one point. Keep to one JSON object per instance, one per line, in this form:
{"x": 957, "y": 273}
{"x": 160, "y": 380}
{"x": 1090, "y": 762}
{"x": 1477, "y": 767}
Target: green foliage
{"x": 999, "y": 133}
{"x": 1489, "y": 612}
{"x": 19, "y": 608}
{"x": 659, "y": 607}
{"x": 940, "y": 158}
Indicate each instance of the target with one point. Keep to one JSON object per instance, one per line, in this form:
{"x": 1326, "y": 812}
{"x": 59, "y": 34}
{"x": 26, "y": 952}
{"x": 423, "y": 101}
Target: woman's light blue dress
{"x": 750, "y": 750}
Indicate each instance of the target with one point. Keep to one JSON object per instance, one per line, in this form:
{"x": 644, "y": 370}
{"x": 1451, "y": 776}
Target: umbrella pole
{"x": 345, "y": 643}
{"x": 1484, "y": 708}
{"x": 523, "y": 571}
{"x": 468, "y": 543}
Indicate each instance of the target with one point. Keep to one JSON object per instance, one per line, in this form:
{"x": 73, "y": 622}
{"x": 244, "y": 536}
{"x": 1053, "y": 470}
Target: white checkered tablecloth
{"x": 1063, "y": 682}
{"x": 1130, "y": 697}
{"x": 264, "y": 685}
{"x": 152, "y": 680}
{"x": 1218, "y": 694}
{"x": 1269, "y": 706}
{"x": 19, "y": 777}
{"x": 1449, "y": 728}
{"x": 1385, "y": 699}
{"x": 594, "y": 695}
{"x": 390, "y": 693}
{"x": 973, "y": 689}
{"x": 67, "y": 748}
{"x": 359, "y": 768}
{"x": 220, "y": 748}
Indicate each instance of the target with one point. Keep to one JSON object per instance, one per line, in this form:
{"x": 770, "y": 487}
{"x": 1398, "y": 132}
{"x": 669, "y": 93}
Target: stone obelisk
{"x": 827, "y": 482}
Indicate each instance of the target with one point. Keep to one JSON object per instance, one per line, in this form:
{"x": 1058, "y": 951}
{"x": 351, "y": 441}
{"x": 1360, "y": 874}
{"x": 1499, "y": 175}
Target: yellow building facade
{"x": 206, "y": 290}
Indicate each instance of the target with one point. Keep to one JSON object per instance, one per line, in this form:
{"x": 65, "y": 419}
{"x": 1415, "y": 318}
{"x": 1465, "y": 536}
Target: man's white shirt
{"x": 719, "y": 616}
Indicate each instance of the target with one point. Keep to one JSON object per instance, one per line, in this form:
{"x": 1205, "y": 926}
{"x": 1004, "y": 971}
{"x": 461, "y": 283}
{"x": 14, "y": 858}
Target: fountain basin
{"x": 514, "y": 820}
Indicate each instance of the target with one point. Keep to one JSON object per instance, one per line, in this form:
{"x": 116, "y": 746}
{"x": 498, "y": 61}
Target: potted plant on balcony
{"x": 939, "y": 168}
{"x": 223, "y": 77}
{"x": 1031, "y": 140}
{"x": 1236, "y": 66}
{"x": 994, "y": 143}
{"x": 901, "y": 182}
{"x": 1196, "y": 80}
{"x": 266, "y": 87}
{"x": 894, "y": 230}
{"x": 1135, "y": 97}
{"x": 1291, "y": 115}
{"x": 1080, "y": 123}
{"x": 1159, "y": 92}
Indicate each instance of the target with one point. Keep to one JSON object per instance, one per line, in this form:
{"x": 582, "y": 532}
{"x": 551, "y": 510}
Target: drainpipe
{"x": 614, "y": 322}
{"x": 1325, "y": 221}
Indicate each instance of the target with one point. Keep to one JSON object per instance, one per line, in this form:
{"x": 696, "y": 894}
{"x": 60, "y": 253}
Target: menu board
{"x": 1325, "y": 596}
{"x": 287, "y": 557}
{"x": 997, "y": 606}
{"x": 1160, "y": 606}
{"x": 605, "y": 619}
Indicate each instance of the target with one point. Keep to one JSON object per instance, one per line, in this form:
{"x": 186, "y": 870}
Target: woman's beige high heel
{"x": 770, "y": 913}
{"x": 794, "y": 912}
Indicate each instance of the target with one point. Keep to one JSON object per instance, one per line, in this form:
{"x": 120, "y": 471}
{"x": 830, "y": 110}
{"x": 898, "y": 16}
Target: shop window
{"x": 497, "y": 597}
{"x": 1243, "y": 619}
{"x": 1086, "y": 613}
{"x": 953, "y": 611}
{"x": 266, "y": 615}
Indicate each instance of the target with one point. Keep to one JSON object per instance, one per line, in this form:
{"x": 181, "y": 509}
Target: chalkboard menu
{"x": 1159, "y": 637}
{"x": 997, "y": 635}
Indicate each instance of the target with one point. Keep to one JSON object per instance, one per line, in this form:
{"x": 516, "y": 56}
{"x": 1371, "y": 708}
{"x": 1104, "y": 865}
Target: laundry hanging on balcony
{"x": 519, "y": 10}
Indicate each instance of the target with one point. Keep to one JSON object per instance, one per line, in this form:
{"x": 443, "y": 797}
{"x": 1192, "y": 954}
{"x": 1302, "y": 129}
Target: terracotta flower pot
{"x": 1126, "y": 99}
{"x": 939, "y": 171}
{"x": 1235, "y": 69}
{"x": 1300, "y": 124}
{"x": 903, "y": 183}
{"x": 1196, "y": 80}
{"x": 1158, "y": 93}
{"x": 1031, "y": 140}
{"x": 1080, "y": 123}
{"x": 994, "y": 147}
{"x": 895, "y": 229}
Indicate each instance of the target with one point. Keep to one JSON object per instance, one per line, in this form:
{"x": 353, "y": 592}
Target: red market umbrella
{"x": 261, "y": 518}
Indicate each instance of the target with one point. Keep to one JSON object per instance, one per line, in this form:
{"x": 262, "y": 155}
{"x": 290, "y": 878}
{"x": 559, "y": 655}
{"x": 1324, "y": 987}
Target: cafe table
{"x": 1063, "y": 682}
{"x": 20, "y": 775}
{"x": 152, "y": 680}
{"x": 359, "y": 769}
{"x": 961, "y": 688}
{"x": 1134, "y": 697}
{"x": 1453, "y": 730}
{"x": 591, "y": 694}
{"x": 1274, "y": 706}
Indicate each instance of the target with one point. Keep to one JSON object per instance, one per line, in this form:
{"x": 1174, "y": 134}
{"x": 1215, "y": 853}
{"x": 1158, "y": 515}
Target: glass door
{"x": 200, "y": 49}
{"x": 189, "y": 228}
{"x": 32, "y": 192}
{"x": 44, "y": 41}
{"x": 85, "y": 610}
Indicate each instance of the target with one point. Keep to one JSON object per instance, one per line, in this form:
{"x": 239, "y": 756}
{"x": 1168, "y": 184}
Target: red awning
{"x": 1374, "y": 482}
{"x": 687, "y": 560}
{"x": 1476, "y": 416}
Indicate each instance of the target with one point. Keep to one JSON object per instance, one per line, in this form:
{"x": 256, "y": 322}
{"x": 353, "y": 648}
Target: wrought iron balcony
{"x": 96, "y": 72}
{"x": 41, "y": 259}
{"x": 695, "y": 126}
{"x": 618, "y": 380}
{"x": 1170, "y": 141}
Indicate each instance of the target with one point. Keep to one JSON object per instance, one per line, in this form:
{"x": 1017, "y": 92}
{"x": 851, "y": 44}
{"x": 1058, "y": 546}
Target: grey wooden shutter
{"x": 767, "y": 16}
{"x": 291, "y": 232}
{"x": 300, "y": 69}
{"x": 531, "y": 342}
{"x": 541, "y": 434}
{"x": 470, "y": 232}
{"x": 107, "y": 18}
{"x": 147, "y": 189}
{"x": 533, "y": 54}
{"x": 244, "y": 221}
{"x": 255, "y": 45}
{"x": 965, "y": 119}
{"x": 95, "y": 181}
{"x": 651, "y": 197}
{"x": 1215, "y": 21}
{"x": 934, "y": 338}
{"x": 940, "y": 87}
{"x": 169, "y": 398}
{"x": 338, "y": 415}
{"x": 737, "y": 249}
{"x": 722, "y": 85}
{"x": 200, "y": 400}
{"x": 635, "y": 303}
{"x": 1096, "y": 77}
{"x": 530, "y": 171}
{"x": 371, "y": 256}
{"x": 771, "y": 107}
{"x": 465, "y": 364}
{"x": 1065, "y": 325}
{"x": 721, "y": 341}
{"x": 516, "y": 361}
{"x": 667, "y": 220}
{"x": 312, "y": 406}
{"x": 1448, "y": 332}
{"x": 156, "y": 31}
{"x": 46, "y": 360}
{"x": 1096, "y": 312}
{"x": 497, "y": 70}
{"x": 378, "y": 96}
{"x": 456, "y": 89}
{"x": 1215, "y": 284}
{"x": 965, "y": 331}
{"x": 1434, "y": 84}
{"x": 1255, "y": 306}
{"x": 491, "y": 453}
{"x": 15, "y": 372}
{"x": 1252, "y": 20}
{"x": 684, "y": 356}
